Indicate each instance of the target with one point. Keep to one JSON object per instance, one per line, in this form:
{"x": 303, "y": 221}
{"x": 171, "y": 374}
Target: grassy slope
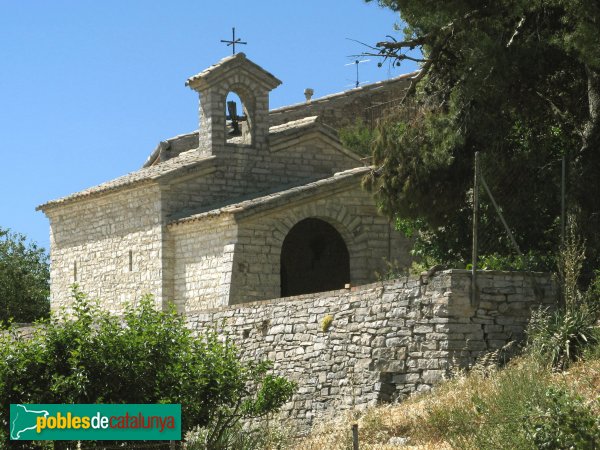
{"x": 485, "y": 409}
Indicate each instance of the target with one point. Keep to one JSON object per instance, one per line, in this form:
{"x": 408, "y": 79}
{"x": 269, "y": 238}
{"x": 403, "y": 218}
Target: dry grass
{"x": 480, "y": 410}
{"x": 584, "y": 379}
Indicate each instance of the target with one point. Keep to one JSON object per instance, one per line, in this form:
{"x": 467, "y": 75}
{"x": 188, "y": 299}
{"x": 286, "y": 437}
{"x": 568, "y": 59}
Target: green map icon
{"x": 22, "y": 420}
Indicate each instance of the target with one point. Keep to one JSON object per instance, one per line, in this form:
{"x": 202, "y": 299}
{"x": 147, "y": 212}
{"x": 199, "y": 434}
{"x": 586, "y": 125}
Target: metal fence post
{"x": 355, "y": 436}
{"x": 475, "y": 230}
{"x": 563, "y": 183}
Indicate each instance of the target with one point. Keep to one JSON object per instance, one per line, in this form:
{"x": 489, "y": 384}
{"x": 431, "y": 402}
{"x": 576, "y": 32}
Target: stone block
{"x": 432, "y": 376}
{"x": 413, "y": 377}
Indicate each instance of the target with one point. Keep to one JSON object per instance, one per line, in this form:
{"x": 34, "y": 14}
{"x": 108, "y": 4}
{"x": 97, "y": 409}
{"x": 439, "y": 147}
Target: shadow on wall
{"x": 314, "y": 258}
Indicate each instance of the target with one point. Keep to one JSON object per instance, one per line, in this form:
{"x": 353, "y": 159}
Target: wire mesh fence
{"x": 109, "y": 445}
{"x": 162, "y": 445}
{"x": 518, "y": 212}
{"x": 399, "y": 108}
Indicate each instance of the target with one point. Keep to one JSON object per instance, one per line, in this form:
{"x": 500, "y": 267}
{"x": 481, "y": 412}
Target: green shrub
{"x": 562, "y": 421}
{"x": 146, "y": 356}
{"x": 490, "y": 409}
{"x": 234, "y": 437}
{"x": 560, "y": 337}
{"x": 530, "y": 262}
{"x": 519, "y": 407}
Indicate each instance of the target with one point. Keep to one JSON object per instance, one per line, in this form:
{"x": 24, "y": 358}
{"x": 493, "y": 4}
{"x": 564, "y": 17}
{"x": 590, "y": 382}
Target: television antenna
{"x": 356, "y": 63}
{"x": 353, "y": 85}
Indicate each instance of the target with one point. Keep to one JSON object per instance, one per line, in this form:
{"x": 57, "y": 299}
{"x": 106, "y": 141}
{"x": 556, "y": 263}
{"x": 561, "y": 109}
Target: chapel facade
{"x": 257, "y": 204}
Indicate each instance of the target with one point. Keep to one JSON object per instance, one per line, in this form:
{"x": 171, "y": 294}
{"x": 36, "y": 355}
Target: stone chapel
{"x": 255, "y": 205}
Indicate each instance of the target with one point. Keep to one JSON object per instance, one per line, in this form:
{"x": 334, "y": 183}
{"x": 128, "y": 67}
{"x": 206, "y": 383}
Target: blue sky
{"x": 89, "y": 88}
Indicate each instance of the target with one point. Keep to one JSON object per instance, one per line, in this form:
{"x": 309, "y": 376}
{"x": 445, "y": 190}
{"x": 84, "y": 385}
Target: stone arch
{"x": 314, "y": 258}
{"x": 335, "y": 214}
{"x": 248, "y": 111}
{"x": 348, "y": 224}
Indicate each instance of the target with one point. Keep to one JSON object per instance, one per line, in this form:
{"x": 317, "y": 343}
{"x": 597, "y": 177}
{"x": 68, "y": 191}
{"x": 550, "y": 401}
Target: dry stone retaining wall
{"x": 387, "y": 340}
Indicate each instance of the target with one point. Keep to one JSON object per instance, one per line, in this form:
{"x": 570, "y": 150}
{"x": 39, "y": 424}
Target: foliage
{"x": 490, "y": 415}
{"x": 24, "y": 279}
{"x": 530, "y": 262}
{"x": 147, "y": 356}
{"x": 562, "y": 421}
{"x": 493, "y": 409}
{"x": 358, "y": 137}
{"x": 433, "y": 247}
{"x": 326, "y": 323}
{"x": 265, "y": 435}
{"x": 516, "y": 80}
{"x": 570, "y": 264}
{"x": 480, "y": 409}
{"x": 560, "y": 337}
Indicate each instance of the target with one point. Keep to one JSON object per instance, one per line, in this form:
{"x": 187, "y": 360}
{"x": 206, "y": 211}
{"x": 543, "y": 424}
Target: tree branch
{"x": 418, "y": 42}
{"x": 519, "y": 25}
{"x": 427, "y": 38}
{"x": 395, "y": 56}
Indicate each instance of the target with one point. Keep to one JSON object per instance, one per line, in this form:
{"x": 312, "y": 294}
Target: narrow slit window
{"x": 75, "y": 271}
{"x": 131, "y": 260}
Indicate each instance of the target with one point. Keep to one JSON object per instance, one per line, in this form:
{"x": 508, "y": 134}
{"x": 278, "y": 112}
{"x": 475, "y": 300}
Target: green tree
{"x": 147, "y": 356}
{"x": 24, "y": 279}
{"x": 517, "y": 80}
{"x": 358, "y": 137}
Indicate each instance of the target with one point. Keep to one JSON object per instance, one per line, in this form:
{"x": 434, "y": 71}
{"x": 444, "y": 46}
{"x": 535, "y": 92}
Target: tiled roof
{"x": 184, "y": 160}
{"x": 305, "y": 122}
{"x": 364, "y": 89}
{"x": 213, "y": 72}
{"x": 148, "y": 174}
{"x": 272, "y": 200}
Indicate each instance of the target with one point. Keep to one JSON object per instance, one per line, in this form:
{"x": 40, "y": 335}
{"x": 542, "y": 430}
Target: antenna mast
{"x": 356, "y": 63}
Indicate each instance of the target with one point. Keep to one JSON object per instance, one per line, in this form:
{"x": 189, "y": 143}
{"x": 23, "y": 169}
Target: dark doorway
{"x": 314, "y": 258}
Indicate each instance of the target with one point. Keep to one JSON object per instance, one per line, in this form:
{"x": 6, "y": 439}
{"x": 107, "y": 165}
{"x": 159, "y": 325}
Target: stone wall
{"x": 336, "y": 110}
{"x": 240, "y": 171}
{"x": 110, "y": 246}
{"x": 387, "y": 340}
{"x": 203, "y": 263}
{"x": 370, "y": 239}
{"x": 223, "y": 258}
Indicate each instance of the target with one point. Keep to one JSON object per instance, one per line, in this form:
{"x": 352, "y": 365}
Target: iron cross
{"x": 233, "y": 41}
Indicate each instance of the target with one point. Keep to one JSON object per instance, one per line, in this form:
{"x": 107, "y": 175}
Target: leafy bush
{"x": 530, "y": 262}
{"x": 147, "y": 356}
{"x": 561, "y": 336}
{"x": 562, "y": 421}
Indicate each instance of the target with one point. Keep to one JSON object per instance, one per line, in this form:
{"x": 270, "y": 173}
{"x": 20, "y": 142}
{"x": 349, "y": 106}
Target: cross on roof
{"x": 233, "y": 41}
